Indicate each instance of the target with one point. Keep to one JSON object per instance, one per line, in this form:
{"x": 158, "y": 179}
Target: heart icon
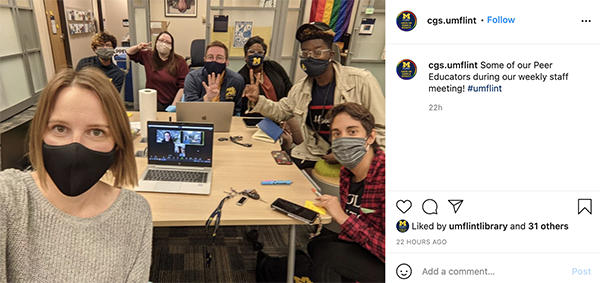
{"x": 404, "y": 205}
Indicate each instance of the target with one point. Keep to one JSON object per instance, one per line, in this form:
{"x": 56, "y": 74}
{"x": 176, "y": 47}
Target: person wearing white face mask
{"x": 165, "y": 70}
{"x": 104, "y": 45}
{"x": 357, "y": 253}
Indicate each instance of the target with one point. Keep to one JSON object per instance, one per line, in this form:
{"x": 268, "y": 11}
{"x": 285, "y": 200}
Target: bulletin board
{"x": 227, "y": 38}
{"x": 80, "y": 22}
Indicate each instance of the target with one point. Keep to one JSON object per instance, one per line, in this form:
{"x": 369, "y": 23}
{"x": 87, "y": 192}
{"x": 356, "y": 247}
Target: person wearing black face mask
{"x": 61, "y": 222}
{"x": 215, "y": 82}
{"x": 271, "y": 81}
{"x": 103, "y": 44}
{"x": 274, "y": 82}
{"x": 328, "y": 84}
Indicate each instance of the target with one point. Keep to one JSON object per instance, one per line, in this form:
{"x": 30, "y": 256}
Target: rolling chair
{"x": 197, "y": 53}
{"x": 337, "y": 56}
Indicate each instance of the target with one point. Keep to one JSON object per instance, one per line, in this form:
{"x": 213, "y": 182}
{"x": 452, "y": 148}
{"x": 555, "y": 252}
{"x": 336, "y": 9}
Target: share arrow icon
{"x": 456, "y": 203}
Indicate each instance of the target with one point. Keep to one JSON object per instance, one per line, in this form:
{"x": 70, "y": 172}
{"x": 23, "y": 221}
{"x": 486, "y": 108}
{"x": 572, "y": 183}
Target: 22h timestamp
{"x": 435, "y": 107}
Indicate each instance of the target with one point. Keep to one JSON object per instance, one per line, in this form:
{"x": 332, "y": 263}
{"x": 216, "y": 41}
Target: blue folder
{"x": 270, "y": 128}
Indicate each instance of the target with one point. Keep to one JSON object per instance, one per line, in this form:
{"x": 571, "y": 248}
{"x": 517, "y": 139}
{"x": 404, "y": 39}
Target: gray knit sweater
{"x": 40, "y": 243}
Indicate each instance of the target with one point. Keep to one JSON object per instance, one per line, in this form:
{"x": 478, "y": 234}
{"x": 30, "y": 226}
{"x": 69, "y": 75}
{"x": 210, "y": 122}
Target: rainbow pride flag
{"x": 335, "y": 13}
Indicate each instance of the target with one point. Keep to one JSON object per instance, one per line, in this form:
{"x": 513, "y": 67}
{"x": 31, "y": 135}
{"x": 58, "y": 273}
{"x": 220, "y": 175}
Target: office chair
{"x": 338, "y": 53}
{"x": 197, "y": 53}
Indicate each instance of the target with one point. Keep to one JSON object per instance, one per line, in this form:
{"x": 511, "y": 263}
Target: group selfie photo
{"x": 192, "y": 141}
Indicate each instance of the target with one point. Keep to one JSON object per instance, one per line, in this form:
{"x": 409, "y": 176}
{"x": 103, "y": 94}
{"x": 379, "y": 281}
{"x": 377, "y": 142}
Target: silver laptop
{"x": 179, "y": 158}
{"x": 218, "y": 113}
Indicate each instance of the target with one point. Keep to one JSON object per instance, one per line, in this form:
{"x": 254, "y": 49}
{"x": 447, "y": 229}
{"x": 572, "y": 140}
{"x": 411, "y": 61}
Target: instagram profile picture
{"x": 406, "y": 21}
{"x": 402, "y": 226}
{"x": 406, "y": 69}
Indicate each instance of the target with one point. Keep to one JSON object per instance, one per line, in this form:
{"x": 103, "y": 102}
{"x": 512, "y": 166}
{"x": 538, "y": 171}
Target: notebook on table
{"x": 218, "y": 113}
{"x": 267, "y": 131}
{"x": 179, "y": 158}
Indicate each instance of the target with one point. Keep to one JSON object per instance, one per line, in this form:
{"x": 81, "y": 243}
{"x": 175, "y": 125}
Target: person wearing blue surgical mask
{"x": 215, "y": 82}
{"x": 327, "y": 84}
{"x": 64, "y": 222}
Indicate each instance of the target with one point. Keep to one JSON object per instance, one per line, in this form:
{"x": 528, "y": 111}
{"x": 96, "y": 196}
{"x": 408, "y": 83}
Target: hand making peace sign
{"x": 251, "y": 90}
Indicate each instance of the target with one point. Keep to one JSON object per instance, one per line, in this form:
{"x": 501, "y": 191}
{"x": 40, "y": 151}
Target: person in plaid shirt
{"x": 357, "y": 253}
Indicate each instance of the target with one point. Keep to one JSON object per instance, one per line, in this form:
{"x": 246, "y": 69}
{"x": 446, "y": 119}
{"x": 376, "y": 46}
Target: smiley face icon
{"x": 404, "y": 271}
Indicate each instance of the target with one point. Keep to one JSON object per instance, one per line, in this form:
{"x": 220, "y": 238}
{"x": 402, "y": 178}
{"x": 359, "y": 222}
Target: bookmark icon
{"x": 584, "y": 204}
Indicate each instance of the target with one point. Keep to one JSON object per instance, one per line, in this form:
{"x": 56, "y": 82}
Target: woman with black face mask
{"x": 357, "y": 253}
{"x": 61, "y": 223}
{"x": 270, "y": 80}
{"x": 274, "y": 83}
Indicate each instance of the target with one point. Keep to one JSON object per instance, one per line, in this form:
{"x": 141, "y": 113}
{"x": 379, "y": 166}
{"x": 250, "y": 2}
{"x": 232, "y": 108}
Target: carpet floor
{"x": 178, "y": 253}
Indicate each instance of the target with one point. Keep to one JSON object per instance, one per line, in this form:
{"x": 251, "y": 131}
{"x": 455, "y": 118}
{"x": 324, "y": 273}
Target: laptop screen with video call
{"x": 180, "y": 143}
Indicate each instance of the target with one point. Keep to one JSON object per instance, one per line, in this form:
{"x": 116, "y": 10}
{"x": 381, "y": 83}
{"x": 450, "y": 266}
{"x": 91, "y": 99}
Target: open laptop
{"x": 179, "y": 158}
{"x": 218, "y": 113}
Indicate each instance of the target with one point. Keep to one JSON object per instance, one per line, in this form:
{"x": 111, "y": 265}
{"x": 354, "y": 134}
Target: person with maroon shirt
{"x": 357, "y": 253}
{"x": 165, "y": 70}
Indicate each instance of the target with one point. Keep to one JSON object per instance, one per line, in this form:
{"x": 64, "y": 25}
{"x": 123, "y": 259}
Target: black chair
{"x": 337, "y": 55}
{"x": 197, "y": 53}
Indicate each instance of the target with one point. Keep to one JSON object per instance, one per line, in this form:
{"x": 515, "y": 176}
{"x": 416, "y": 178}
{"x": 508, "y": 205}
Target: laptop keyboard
{"x": 176, "y": 176}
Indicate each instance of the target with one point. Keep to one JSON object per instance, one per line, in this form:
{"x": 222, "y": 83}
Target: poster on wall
{"x": 242, "y": 32}
{"x": 74, "y": 15}
{"x": 366, "y": 26}
{"x": 71, "y": 14}
{"x": 180, "y": 8}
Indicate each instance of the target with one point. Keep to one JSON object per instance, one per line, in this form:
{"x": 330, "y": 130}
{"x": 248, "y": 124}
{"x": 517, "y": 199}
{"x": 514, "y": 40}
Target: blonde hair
{"x": 124, "y": 167}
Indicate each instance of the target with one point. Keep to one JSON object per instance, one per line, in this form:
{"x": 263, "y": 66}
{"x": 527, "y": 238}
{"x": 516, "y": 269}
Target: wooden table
{"x": 241, "y": 168}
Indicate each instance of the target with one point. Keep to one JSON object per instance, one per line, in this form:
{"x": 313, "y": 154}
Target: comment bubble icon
{"x": 430, "y": 206}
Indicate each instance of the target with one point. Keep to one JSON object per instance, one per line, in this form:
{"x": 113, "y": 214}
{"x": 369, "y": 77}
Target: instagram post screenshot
{"x": 495, "y": 131}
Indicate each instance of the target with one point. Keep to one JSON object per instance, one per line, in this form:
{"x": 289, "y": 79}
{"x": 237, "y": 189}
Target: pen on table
{"x": 276, "y": 182}
{"x": 316, "y": 192}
